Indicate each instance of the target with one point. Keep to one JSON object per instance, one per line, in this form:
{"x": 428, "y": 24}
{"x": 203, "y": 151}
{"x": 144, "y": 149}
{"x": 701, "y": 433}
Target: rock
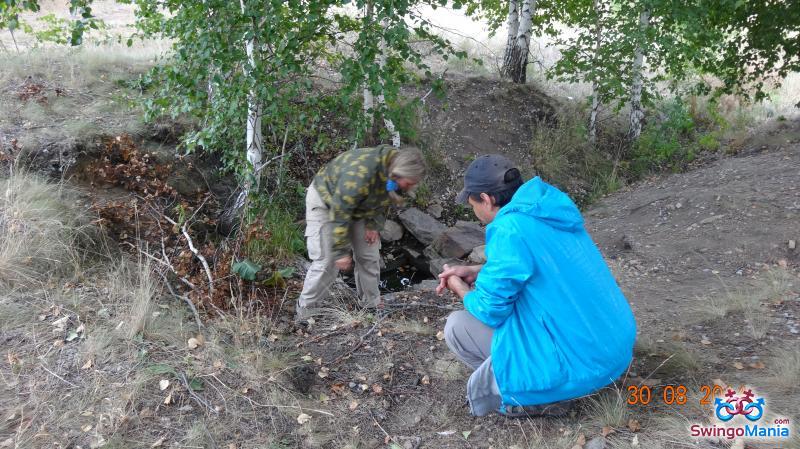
{"x": 436, "y": 266}
{"x": 469, "y": 225}
{"x": 478, "y": 255}
{"x": 458, "y": 242}
{"x": 427, "y": 285}
{"x": 435, "y": 209}
{"x": 421, "y": 225}
{"x": 431, "y": 253}
{"x": 412, "y": 253}
{"x": 596, "y": 443}
{"x": 392, "y": 231}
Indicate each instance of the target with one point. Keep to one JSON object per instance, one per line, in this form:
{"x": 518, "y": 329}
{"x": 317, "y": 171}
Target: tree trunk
{"x": 381, "y": 100}
{"x": 254, "y": 145}
{"x": 513, "y": 26}
{"x": 598, "y": 37}
{"x": 369, "y": 98}
{"x": 516, "y": 62}
{"x": 637, "y": 112}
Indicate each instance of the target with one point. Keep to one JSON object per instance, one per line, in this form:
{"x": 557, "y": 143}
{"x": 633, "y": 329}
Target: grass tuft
{"x": 39, "y": 231}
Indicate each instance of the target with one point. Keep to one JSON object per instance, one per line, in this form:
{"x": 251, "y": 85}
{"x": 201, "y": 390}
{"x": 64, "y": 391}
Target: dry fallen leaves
{"x": 705, "y": 340}
{"x": 163, "y": 384}
{"x": 580, "y": 442}
{"x": 303, "y": 418}
{"x": 738, "y": 365}
{"x": 158, "y": 443}
{"x": 426, "y": 380}
{"x": 633, "y": 425}
{"x": 757, "y": 365}
{"x": 353, "y": 405}
{"x": 88, "y": 364}
{"x": 168, "y": 400}
{"x": 440, "y": 335}
{"x": 607, "y": 430}
{"x": 377, "y": 388}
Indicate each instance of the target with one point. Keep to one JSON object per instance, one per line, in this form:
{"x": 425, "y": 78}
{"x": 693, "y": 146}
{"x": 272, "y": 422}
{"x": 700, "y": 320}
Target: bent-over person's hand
{"x": 372, "y": 237}
{"x": 344, "y": 263}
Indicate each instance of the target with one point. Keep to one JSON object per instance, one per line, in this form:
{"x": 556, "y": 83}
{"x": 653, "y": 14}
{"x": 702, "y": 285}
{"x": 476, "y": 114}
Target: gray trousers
{"x": 322, "y": 271}
{"x": 471, "y": 341}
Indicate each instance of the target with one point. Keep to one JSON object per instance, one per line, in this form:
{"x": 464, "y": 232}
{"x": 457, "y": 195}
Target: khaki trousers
{"x": 323, "y": 271}
{"x": 471, "y": 342}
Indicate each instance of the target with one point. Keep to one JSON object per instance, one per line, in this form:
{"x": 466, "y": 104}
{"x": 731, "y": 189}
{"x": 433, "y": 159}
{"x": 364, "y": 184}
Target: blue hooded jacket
{"x": 562, "y": 327}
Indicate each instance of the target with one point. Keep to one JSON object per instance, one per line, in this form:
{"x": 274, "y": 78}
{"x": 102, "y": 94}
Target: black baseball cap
{"x": 486, "y": 174}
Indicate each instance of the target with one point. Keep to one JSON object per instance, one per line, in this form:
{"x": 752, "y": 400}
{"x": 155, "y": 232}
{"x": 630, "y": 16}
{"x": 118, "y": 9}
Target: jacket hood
{"x": 546, "y": 203}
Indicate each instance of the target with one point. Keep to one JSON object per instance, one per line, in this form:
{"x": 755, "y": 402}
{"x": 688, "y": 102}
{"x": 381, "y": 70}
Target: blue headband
{"x": 391, "y": 185}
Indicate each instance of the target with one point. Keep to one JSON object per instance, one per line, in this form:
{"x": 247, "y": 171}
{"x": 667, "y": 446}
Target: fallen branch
{"x": 185, "y": 299}
{"x": 358, "y": 345}
{"x": 194, "y": 396}
{"x": 58, "y": 377}
{"x": 192, "y": 248}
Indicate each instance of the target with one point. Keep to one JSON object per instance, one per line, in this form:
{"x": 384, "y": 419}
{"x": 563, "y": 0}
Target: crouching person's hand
{"x": 465, "y": 273}
{"x": 457, "y": 285}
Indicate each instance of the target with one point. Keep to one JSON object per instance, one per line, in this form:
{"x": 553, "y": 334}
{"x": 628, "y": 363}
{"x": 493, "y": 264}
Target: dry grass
{"x": 771, "y": 287}
{"x": 83, "y": 95}
{"x": 39, "y": 231}
{"x": 609, "y": 407}
{"x": 133, "y": 284}
{"x": 785, "y": 370}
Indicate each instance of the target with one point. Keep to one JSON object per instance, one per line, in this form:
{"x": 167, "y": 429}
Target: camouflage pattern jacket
{"x": 353, "y": 185}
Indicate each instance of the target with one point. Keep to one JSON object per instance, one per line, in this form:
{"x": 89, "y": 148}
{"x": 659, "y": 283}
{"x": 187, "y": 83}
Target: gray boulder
{"x": 436, "y": 266}
{"x": 430, "y": 253}
{"x": 392, "y": 231}
{"x": 458, "y": 242}
{"x": 427, "y": 285}
{"x": 435, "y": 209}
{"x": 478, "y": 255}
{"x": 469, "y": 225}
{"x": 421, "y": 225}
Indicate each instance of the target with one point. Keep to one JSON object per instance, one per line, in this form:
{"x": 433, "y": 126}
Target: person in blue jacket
{"x": 545, "y": 321}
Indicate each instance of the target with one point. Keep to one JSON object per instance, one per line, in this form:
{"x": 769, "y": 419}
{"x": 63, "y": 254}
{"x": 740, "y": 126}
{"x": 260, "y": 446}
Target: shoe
{"x": 552, "y": 409}
{"x": 305, "y": 314}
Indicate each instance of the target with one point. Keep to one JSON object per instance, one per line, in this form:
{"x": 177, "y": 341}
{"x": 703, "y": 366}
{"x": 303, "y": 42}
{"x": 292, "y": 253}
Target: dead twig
{"x": 57, "y": 376}
{"x": 192, "y": 248}
{"x": 200, "y": 401}
{"x": 185, "y": 299}
{"x": 360, "y": 343}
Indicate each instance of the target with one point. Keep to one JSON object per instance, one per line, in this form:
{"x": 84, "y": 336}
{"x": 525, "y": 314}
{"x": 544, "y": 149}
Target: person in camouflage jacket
{"x": 346, "y": 206}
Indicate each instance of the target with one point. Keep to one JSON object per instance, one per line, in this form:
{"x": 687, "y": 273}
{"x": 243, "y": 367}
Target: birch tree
{"x": 637, "y": 111}
{"x": 520, "y": 23}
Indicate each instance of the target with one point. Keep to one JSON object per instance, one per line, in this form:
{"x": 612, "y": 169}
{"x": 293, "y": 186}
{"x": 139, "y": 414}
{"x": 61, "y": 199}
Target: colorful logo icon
{"x": 739, "y": 405}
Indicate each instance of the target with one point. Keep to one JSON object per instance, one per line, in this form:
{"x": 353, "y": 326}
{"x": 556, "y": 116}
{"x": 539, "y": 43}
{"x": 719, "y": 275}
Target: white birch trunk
{"x": 637, "y": 112}
{"x": 598, "y": 36}
{"x": 369, "y": 100}
{"x": 512, "y": 22}
{"x": 517, "y": 63}
{"x": 254, "y": 136}
{"x": 382, "y": 101}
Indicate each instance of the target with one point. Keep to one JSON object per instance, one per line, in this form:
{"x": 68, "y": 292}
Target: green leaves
{"x": 246, "y": 269}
